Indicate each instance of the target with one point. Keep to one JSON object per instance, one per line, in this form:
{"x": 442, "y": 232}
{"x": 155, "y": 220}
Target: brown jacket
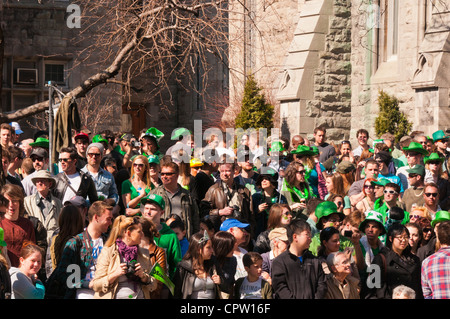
{"x": 216, "y": 199}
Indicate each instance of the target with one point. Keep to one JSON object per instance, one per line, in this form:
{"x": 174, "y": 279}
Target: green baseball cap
{"x": 153, "y": 159}
{"x": 381, "y": 182}
{"x": 154, "y": 198}
{"x": 417, "y": 169}
{"x": 441, "y": 216}
{"x": 373, "y": 216}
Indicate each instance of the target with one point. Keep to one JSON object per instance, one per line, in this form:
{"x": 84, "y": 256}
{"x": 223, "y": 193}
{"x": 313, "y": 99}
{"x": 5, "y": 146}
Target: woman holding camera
{"x": 122, "y": 268}
{"x": 138, "y": 186}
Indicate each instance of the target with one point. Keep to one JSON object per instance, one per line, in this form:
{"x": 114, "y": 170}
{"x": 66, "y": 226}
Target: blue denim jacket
{"x": 104, "y": 183}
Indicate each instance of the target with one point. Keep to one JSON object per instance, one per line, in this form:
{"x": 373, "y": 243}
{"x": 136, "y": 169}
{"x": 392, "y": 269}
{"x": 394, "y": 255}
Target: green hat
{"x": 153, "y": 159}
{"x": 154, "y": 198}
{"x": 381, "y": 182}
{"x": 277, "y": 146}
{"x": 345, "y": 167}
{"x": 303, "y": 150}
{"x": 315, "y": 150}
{"x": 439, "y": 135}
{"x": 416, "y": 147}
{"x": 99, "y": 139}
{"x": 179, "y": 132}
{"x": 433, "y": 157}
{"x": 153, "y": 131}
{"x": 41, "y": 142}
{"x": 441, "y": 216}
{"x": 326, "y": 208}
{"x": 2, "y": 238}
{"x": 373, "y": 216}
{"x": 417, "y": 169}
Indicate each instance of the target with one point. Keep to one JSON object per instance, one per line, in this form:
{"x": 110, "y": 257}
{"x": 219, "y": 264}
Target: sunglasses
{"x": 39, "y": 159}
{"x": 301, "y": 172}
{"x": 168, "y": 174}
{"x": 412, "y": 175}
{"x": 427, "y": 230}
{"x": 390, "y": 192}
{"x": 94, "y": 154}
{"x": 65, "y": 160}
{"x": 415, "y": 216}
{"x": 431, "y": 194}
{"x": 369, "y": 186}
{"x": 138, "y": 165}
{"x": 434, "y": 163}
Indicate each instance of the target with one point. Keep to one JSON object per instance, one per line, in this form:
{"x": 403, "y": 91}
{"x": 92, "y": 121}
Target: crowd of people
{"x": 271, "y": 218}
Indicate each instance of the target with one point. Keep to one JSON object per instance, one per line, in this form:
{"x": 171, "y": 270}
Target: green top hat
{"x": 326, "y": 208}
{"x": 381, "y": 182}
{"x": 441, "y": 216}
{"x": 433, "y": 157}
{"x": 179, "y": 132}
{"x": 303, "y": 150}
{"x": 277, "y": 146}
{"x": 2, "y": 238}
{"x": 41, "y": 142}
{"x": 439, "y": 135}
{"x": 416, "y": 147}
{"x": 373, "y": 216}
{"x": 99, "y": 139}
{"x": 153, "y": 131}
{"x": 154, "y": 198}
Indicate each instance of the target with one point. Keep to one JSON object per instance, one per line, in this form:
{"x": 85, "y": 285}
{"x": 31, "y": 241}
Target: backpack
{"x": 54, "y": 288}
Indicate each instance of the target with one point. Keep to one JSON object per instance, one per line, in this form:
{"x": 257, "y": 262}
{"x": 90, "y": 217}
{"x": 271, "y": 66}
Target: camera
{"x": 135, "y": 143}
{"x": 348, "y": 233}
{"x": 131, "y": 268}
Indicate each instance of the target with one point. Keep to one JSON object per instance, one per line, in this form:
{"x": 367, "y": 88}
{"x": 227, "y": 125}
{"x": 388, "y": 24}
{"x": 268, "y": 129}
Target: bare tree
{"x": 162, "y": 38}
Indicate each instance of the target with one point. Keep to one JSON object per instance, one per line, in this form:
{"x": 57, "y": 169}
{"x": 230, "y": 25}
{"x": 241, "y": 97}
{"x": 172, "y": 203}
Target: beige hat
{"x": 43, "y": 174}
{"x": 280, "y": 233}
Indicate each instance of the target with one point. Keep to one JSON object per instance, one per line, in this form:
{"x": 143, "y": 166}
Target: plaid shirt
{"x": 436, "y": 275}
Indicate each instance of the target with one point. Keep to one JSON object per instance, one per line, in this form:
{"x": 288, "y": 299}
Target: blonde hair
{"x": 121, "y": 224}
{"x": 424, "y": 210}
{"x": 146, "y": 177}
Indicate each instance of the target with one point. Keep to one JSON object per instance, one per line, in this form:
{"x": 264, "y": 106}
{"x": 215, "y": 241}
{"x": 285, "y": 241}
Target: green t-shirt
{"x": 171, "y": 245}
{"x": 315, "y": 243}
{"x": 128, "y": 188}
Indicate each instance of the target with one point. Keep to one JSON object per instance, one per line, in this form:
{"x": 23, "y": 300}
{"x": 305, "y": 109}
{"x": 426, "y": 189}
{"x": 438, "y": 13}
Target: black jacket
{"x": 295, "y": 279}
{"x": 396, "y": 271}
{"x": 86, "y": 189}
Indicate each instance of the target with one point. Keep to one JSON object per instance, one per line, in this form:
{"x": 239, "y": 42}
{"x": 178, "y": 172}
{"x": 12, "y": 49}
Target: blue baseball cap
{"x": 232, "y": 222}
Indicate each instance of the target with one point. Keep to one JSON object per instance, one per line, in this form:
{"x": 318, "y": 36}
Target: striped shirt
{"x": 436, "y": 275}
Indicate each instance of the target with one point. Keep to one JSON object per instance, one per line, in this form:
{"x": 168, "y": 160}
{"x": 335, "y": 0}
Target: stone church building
{"x": 324, "y": 61}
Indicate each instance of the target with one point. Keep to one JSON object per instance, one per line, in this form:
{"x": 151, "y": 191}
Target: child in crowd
{"x": 180, "y": 229}
{"x": 252, "y": 286}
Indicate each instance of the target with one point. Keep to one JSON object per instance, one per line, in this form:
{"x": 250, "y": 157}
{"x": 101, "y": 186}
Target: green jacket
{"x": 168, "y": 240}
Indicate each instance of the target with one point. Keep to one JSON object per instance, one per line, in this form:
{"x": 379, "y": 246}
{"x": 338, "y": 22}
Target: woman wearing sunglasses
{"x": 434, "y": 174}
{"x": 370, "y": 196}
{"x": 137, "y": 186}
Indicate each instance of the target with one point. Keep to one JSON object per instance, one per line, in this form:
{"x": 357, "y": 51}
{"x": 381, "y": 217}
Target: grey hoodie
{"x": 22, "y": 287}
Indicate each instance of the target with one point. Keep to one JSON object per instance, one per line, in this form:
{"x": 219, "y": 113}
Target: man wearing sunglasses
{"x": 431, "y": 198}
{"x": 72, "y": 181}
{"x": 104, "y": 181}
{"x": 390, "y": 199}
{"x": 40, "y": 159}
{"x": 413, "y": 196}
